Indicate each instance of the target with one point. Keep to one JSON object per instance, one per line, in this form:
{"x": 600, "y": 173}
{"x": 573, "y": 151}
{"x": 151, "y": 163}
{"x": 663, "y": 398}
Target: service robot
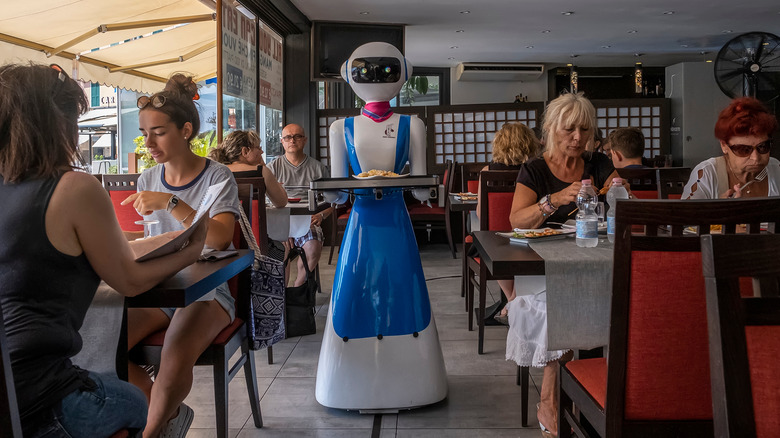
{"x": 380, "y": 349}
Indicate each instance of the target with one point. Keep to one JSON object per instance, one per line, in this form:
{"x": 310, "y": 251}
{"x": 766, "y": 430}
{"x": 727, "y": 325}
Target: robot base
{"x": 380, "y": 376}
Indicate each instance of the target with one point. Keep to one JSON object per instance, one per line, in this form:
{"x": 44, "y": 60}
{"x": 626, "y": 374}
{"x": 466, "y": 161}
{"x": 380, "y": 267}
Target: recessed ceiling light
{"x": 709, "y": 60}
{"x": 364, "y": 13}
{"x": 529, "y": 47}
{"x": 668, "y": 12}
{"x": 569, "y": 65}
{"x": 638, "y": 54}
{"x": 465, "y": 12}
{"x": 726, "y": 31}
{"x": 684, "y": 46}
{"x": 450, "y": 58}
{"x": 453, "y": 47}
{"x": 546, "y": 31}
{"x": 573, "y": 55}
{"x": 567, "y": 13}
{"x": 459, "y": 31}
{"x": 633, "y": 31}
{"x": 605, "y": 47}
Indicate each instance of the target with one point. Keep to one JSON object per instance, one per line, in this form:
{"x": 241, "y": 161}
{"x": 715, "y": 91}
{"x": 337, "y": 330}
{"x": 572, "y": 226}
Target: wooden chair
{"x": 744, "y": 333}
{"x": 119, "y": 187}
{"x": 10, "y": 425}
{"x": 225, "y": 345}
{"x": 435, "y": 217}
{"x": 643, "y": 182}
{"x": 656, "y": 381}
{"x": 671, "y": 181}
{"x": 338, "y": 224}
{"x": 469, "y": 176}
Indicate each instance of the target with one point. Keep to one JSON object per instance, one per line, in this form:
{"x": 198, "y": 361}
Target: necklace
{"x": 741, "y": 184}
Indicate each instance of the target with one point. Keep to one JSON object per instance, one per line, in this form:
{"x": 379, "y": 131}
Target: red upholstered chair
{"x": 228, "y": 341}
{"x": 656, "y": 380}
{"x": 435, "y": 217}
{"x": 469, "y": 176}
{"x": 744, "y": 334}
{"x": 643, "y": 182}
{"x": 671, "y": 181}
{"x": 120, "y": 187}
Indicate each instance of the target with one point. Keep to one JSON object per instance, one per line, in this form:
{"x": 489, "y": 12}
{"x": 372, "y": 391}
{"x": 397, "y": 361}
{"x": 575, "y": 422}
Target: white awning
{"x": 153, "y": 39}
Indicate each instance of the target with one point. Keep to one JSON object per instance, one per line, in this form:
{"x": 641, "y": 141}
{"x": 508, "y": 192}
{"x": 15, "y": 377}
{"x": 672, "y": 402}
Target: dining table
{"x": 578, "y": 283}
{"x": 105, "y": 326}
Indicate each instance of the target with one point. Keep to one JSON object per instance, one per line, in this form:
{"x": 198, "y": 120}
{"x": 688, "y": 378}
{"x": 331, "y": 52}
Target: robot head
{"x": 376, "y": 71}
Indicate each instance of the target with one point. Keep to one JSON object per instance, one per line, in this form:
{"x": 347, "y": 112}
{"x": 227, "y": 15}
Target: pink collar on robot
{"x": 377, "y": 111}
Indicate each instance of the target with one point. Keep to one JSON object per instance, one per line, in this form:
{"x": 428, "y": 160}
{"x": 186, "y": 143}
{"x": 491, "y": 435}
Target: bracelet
{"x": 188, "y": 215}
{"x": 550, "y": 204}
{"x": 541, "y": 210}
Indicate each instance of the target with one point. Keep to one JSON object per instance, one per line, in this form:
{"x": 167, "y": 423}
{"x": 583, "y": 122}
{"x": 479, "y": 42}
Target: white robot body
{"x": 394, "y": 361}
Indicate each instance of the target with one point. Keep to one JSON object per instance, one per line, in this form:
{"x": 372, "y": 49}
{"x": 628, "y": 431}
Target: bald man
{"x": 295, "y": 168}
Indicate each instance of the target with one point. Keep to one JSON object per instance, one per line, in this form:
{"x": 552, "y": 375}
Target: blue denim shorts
{"x": 112, "y": 405}
{"x": 221, "y": 294}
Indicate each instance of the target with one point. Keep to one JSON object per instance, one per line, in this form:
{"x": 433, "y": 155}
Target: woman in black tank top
{"x": 60, "y": 238}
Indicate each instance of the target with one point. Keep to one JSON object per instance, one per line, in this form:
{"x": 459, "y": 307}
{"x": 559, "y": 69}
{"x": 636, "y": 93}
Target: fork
{"x": 760, "y": 177}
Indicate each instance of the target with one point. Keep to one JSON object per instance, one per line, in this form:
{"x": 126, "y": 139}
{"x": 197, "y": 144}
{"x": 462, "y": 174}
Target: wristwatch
{"x": 172, "y": 203}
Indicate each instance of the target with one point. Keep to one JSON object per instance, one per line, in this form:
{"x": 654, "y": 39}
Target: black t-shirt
{"x": 536, "y": 175}
{"x": 44, "y": 295}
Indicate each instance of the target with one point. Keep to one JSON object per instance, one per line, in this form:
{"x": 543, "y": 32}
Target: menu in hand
{"x": 171, "y": 242}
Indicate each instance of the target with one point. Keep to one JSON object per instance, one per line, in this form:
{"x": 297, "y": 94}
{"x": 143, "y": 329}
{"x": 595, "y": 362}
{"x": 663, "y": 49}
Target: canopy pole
{"x": 219, "y": 71}
{"x": 131, "y": 25}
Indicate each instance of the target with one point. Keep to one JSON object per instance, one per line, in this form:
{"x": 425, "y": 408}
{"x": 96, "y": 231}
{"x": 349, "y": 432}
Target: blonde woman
{"x": 513, "y": 145}
{"x": 240, "y": 151}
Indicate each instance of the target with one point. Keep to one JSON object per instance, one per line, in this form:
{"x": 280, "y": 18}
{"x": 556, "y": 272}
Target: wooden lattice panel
{"x": 464, "y": 133}
{"x": 651, "y": 116}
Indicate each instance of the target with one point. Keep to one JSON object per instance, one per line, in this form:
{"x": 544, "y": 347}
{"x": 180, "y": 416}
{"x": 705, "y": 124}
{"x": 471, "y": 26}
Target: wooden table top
{"x": 503, "y": 258}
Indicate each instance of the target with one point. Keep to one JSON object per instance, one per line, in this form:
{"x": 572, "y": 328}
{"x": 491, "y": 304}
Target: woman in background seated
{"x": 170, "y": 192}
{"x": 240, "y": 151}
{"x": 513, "y": 145}
{"x": 744, "y": 129}
{"x": 546, "y": 191}
{"x": 60, "y": 237}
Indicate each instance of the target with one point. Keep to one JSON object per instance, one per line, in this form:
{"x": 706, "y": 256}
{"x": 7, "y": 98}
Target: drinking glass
{"x": 149, "y": 227}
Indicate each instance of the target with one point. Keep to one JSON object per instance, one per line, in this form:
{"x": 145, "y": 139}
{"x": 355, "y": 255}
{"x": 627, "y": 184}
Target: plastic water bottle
{"x": 587, "y": 219}
{"x": 617, "y": 191}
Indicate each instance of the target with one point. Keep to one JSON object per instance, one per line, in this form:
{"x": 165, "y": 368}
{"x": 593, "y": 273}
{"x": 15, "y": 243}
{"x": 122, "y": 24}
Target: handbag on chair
{"x": 265, "y": 323}
{"x": 300, "y": 300}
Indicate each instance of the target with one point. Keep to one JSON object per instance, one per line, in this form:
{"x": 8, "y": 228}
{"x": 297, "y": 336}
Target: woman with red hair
{"x": 744, "y": 129}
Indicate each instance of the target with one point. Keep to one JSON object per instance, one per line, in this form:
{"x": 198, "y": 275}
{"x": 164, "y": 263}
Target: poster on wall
{"x": 270, "y": 68}
{"x": 239, "y": 59}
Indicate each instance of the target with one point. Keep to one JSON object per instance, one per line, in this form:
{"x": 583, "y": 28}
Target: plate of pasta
{"x": 375, "y": 173}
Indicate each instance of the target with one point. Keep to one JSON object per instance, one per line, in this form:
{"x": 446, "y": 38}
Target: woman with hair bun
{"x": 240, "y": 151}
{"x": 744, "y": 129}
{"x": 170, "y": 193}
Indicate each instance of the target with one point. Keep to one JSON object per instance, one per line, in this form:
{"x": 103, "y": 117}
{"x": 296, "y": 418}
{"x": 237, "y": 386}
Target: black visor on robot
{"x": 376, "y": 70}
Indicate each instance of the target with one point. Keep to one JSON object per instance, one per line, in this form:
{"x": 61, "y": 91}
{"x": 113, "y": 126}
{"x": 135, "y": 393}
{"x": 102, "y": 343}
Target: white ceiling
{"x": 598, "y": 33}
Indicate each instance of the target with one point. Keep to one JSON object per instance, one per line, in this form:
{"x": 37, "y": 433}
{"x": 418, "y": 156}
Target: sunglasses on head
{"x": 61, "y": 75}
{"x": 745, "y": 150}
{"x": 157, "y": 101}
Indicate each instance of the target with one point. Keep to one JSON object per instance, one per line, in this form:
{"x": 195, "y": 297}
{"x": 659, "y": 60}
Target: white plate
{"x": 380, "y": 176}
{"x": 526, "y": 240}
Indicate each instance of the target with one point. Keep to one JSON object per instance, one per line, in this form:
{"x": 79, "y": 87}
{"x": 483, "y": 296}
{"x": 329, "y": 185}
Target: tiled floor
{"x": 483, "y": 400}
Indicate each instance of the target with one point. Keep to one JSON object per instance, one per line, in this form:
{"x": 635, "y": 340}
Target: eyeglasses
{"x": 296, "y": 137}
{"x": 157, "y": 101}
{"x": 745, "y": 150}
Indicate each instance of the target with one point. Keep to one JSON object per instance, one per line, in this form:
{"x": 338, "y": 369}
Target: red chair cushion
{"x": 645, "y": 194}
{"x": 499, "y": 207}
{"x": 674, "y": 196}
{"x": 667, "y": 372}
{"x": 763, "y": 346}
{"x": 592, "y": 375}
{"x": 255, "y": 219}
{"x": 472, "y": 186}
{"x": 746, "y": 286}
{"x": 121, "y": 434}
{"x": 156, "y": 339}
{"x": 125, "y": 214}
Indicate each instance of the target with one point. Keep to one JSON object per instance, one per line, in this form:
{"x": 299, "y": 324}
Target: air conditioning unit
{"x": 498, "y": 71}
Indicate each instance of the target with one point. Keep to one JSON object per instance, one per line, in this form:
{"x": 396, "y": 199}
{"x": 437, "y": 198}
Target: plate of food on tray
{"x": 519, "y": 235}
{"x": 374, "y": 173}
{"x": 466, "y": 196}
